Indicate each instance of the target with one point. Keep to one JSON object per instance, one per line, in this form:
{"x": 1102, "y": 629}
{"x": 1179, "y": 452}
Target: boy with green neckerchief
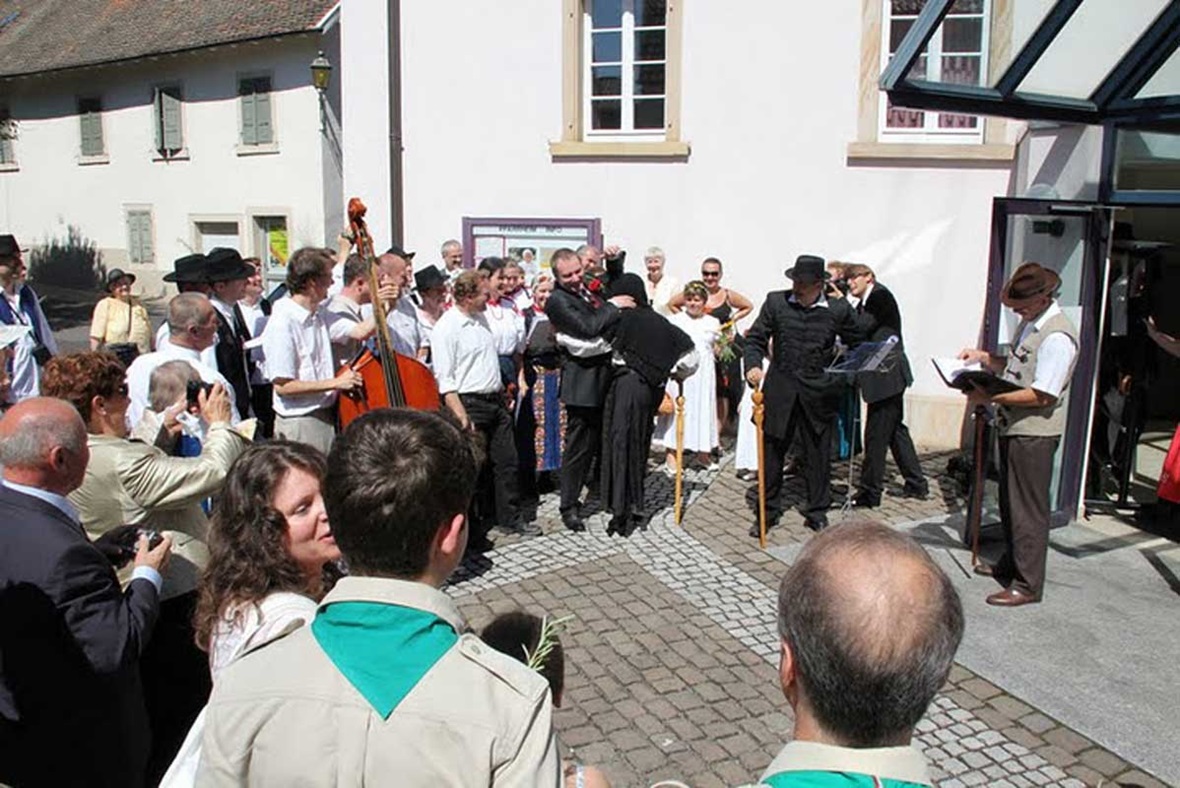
{"x": 386, "y": 687}
{"x": 869, "y": 627}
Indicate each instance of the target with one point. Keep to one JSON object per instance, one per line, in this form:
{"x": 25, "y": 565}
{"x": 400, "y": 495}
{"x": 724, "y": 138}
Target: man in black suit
{"x": 228, "y": 275}
{"x": 575, "y": 310}
{"x": 71, "y": 703}
{"x": 801, "y": 398}
{"x": 884, "y": 393}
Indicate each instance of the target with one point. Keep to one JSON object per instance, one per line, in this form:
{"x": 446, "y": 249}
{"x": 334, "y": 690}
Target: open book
{"x": 963, "y": 375}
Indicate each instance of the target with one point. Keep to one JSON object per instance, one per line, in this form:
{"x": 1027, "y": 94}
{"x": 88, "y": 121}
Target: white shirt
{"x": 507, "y": 328}
{"x": 521, "y": 299}
{"x": 659, "y": 294}
{"x": 1055, "y": 357}
{"x": 63, "y": 505}
{"x": 298, "y": 346}
{"x": 163, "y": 342}
{"x": 26, "y": 375}
{"x": 139, "y": 378}
{"x": 404, "y": 329}
{"x": 465, "y": 358}
{"x": 276, "y": 614}
{"x": 255, "y": 324}
{"x": 345, "y": 348}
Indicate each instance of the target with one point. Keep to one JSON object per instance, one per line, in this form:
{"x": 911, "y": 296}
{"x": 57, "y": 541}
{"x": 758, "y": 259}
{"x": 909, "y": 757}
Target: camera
{"x": 154, "y": 537}
{"x": 192, "y": 391}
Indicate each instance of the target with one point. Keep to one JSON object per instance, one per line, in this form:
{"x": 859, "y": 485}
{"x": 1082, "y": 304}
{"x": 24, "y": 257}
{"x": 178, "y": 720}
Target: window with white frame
{"x": 90, "y": 123}
{"x": 257, "y": 128}
{"x": 956, "y": 54}
{"x": 140, "y": 248}
{"x": 626, "y": 68}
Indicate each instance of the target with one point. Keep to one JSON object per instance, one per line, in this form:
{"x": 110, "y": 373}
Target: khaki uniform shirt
{"x": 813, "y": 764}
{"x": 285, "y": 715}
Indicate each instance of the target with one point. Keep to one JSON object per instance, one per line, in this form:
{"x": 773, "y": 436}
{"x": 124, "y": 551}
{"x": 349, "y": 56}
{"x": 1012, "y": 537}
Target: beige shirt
{"x": 117, "y": 321}
{"x": 892, "y": 763}
{"x": 285, "y": 715}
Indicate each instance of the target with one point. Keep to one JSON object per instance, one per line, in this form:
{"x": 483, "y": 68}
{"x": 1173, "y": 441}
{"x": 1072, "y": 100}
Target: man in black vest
{"x": 575, "y": 310}
{"x": 226, "y": 274}
{"x": 884, "y": 393}
{"x": 800, "y": 396}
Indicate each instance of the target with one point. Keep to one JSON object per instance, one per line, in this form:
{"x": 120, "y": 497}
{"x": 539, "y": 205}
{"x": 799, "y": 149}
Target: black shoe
{"x": 573, "y": 521}
{"x": 864, "y": 501}
{"x": 816, "y": 523}
{"x": 480, "y": 544}
{"x": 617, "y": 525}
{"x": 915, "y": 492}
{"x": 529, "y": 529}
{"x": 747, "y": 475}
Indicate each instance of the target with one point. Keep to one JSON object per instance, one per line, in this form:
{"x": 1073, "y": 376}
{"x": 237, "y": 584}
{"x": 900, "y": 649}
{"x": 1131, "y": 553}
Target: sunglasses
{"x": 710, "y": 273}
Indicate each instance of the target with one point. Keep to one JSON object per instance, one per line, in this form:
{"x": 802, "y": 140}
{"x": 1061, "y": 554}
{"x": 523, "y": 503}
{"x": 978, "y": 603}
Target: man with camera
{"x": 20, "y": 306}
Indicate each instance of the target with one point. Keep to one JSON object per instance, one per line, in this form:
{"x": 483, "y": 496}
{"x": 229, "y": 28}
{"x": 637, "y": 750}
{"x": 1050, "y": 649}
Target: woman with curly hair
{"x": 269, "y": 545}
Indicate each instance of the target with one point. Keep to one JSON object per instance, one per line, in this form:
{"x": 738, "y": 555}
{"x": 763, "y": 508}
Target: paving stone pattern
{"x": 671, "y": 657}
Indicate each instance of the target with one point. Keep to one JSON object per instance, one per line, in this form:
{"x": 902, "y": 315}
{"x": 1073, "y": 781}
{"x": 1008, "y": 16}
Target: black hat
{"x": 400, "y": 252}
{"x": 429, "y": 277}
{"x": 225, "y": 265}
{"x": 188, "y": 269}
{"x": 808, "y": 268}
{"x": 8, "y": 246}
{"x": 115, "y": 274}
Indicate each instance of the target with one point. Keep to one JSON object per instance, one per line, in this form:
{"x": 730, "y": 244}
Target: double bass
{"x": 391, "y": 380}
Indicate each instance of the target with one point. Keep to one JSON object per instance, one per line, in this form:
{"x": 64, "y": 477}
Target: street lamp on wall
{"x": 321, "y": 73}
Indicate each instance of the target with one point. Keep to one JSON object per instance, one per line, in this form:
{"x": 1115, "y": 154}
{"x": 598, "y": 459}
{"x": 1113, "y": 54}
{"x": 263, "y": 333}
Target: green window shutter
{"x": 262, "y": 114}
{"x": 146, "y": 252}
{"x": 158, "y": 118}
{"x": 249, "y": 127}
{"x": 91, "y": 122}
{"x": 169, "y": 135}
{"x": 133, "y": 243}
{"x": 6, "y": 153}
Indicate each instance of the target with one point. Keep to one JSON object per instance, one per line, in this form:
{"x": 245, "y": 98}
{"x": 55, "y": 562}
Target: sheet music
{"x": 951, "y": 368}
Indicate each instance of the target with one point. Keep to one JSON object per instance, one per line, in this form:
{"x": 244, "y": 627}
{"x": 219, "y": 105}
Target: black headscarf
{"x": 647, "y": 342}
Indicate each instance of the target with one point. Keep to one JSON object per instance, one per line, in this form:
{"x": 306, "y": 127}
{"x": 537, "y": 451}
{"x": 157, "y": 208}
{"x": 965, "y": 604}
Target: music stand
{"x": 868, "y": 358}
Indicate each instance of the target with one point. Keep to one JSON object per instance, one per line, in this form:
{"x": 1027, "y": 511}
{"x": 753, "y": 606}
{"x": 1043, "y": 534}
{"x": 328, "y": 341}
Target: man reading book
{"x": 1031, "y": 420}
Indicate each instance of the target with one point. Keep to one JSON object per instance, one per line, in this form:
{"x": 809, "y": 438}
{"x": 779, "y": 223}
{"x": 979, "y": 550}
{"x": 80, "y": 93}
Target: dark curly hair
{"x": 248, "y": 557}
{"x": 518, "y": 634}
{"x": 80, "y": 377}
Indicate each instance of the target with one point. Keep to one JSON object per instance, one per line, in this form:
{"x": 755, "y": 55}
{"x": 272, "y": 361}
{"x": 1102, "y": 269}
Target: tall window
{"x": 140, "y": 248}
{"x": 90, "y": 120}
{"x": 169, "y": 131}
{"x": 7, "y": 135}
{"x": 626, "y": 67}
{"x": 257, "y": 128}
{"x": 957, "y": 54}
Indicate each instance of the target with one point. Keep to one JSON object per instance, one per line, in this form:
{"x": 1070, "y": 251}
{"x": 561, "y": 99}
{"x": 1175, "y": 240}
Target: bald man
{"x": 71, "y": 701}
{"x": 869, "y": 627}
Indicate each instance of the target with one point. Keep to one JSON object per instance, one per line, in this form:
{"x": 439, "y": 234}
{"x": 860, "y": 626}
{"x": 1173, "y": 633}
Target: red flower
{"x": 593, "y": 284}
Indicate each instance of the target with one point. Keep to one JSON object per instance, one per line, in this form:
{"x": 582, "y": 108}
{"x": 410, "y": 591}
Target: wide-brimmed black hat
{"x": 225, "y": 265}
{"x": 400, "y": 252}
{"x": 188, "y": 269}
{"x": 8, "y": 246}
{"x": 428, "y": 278}
{"x": 115, "y": 274}
{"x": 808, "y": 268}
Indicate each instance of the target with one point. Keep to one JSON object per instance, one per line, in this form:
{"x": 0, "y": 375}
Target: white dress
{"x": 700, "y": 389}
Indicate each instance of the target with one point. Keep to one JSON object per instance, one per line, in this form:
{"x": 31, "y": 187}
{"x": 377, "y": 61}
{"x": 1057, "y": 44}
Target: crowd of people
{"x": 205, "y": 565}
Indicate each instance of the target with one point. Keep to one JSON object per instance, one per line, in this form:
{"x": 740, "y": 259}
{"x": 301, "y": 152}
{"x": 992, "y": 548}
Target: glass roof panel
{"x": 1165, "y": 81}
{"x": 1026, "y": 18}
{"x": 1097, "y": 35}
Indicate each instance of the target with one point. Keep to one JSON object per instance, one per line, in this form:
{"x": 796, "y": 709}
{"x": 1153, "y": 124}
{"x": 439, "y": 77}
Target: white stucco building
{"x": 156, "y": 139}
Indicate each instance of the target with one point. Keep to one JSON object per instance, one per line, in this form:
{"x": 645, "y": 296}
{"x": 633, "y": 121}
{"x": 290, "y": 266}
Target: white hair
{"x": 39, "y": 433}
{"x": 655, "y": 251}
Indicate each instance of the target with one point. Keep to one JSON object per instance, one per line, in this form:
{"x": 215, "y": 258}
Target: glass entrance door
{"x": 1069, "y": 238}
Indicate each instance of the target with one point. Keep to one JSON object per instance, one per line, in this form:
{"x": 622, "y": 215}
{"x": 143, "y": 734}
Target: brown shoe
{"x": 984, "y": 569}
{"x": 1011, "y": 597}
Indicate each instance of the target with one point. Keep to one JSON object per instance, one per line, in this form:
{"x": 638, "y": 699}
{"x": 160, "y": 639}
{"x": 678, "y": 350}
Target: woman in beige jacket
{"x": 119, "y": 319}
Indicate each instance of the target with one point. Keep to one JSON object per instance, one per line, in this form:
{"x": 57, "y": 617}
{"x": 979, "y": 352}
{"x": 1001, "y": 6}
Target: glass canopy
{"x": 1082, "y": 61}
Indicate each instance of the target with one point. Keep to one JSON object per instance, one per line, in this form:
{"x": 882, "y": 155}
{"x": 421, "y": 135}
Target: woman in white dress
{"x": 700, "y": 388}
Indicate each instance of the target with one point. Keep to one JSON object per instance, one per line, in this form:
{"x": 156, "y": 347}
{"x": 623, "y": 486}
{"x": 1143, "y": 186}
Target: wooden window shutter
{"x": 133, "y": 243}
{"x": 89, "y": 113}
{"x": 173, "y": 137}
{"x": 265, "y": 129}
{"x": 249, "y": 115}
{"x": 146, "y": 253}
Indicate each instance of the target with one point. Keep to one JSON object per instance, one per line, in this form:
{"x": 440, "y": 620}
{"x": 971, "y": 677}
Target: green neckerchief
{"x": 383, "y": 650}
{"x": 817, "y": 779}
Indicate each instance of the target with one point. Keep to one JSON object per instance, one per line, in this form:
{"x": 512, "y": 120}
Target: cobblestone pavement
{"x": 671, "y": 657}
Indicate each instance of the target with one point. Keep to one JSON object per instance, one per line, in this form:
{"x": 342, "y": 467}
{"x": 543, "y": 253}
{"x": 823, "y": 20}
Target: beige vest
{"x": 1022, "y": 370}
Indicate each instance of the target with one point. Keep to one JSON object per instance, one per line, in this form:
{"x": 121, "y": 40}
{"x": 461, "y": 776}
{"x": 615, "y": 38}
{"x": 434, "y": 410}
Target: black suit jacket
{"x": 584, "y": 381}
{"x": 804, "y": 340}
{"x": 232, "y": 359}
{"x": 71, "y": 703}
{"x": 876, "y": 386}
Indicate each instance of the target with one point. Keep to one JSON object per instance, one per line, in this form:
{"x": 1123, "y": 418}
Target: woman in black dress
{"x": 646, "y": 350}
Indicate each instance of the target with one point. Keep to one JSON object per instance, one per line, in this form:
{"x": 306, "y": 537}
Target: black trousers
{"x": 583, "y": 437}
{"x": 490, "y": 416}
{"x": 176, "y": 681}
{"x": 885, "y": 431}
{"x": 1026, "y": 472}
{"x": 815, "y": 440}
{"x": 262, "y": 406}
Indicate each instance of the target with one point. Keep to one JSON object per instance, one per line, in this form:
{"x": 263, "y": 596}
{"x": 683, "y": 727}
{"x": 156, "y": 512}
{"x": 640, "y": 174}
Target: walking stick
{"x": 759, "y": 416}
{"x": 975, "y": 514}
{"x": 678, "y": 505}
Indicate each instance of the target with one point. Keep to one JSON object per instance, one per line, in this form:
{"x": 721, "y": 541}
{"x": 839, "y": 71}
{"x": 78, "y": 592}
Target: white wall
{"x": 769, "y": 106}
{"x": 52, "y": 190}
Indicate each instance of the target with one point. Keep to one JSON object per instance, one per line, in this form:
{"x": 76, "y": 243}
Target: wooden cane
{"x": 759, "y": 416}
{"x": 678, "y": 506}
{"x": 975, "y": 514}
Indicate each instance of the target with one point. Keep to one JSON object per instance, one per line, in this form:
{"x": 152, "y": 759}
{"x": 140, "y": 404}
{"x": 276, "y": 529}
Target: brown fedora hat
{"x": 1028, "y": 282}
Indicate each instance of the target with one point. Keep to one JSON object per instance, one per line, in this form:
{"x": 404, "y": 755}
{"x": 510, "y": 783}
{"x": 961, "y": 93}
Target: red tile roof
{"x": 49, "y": 35}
